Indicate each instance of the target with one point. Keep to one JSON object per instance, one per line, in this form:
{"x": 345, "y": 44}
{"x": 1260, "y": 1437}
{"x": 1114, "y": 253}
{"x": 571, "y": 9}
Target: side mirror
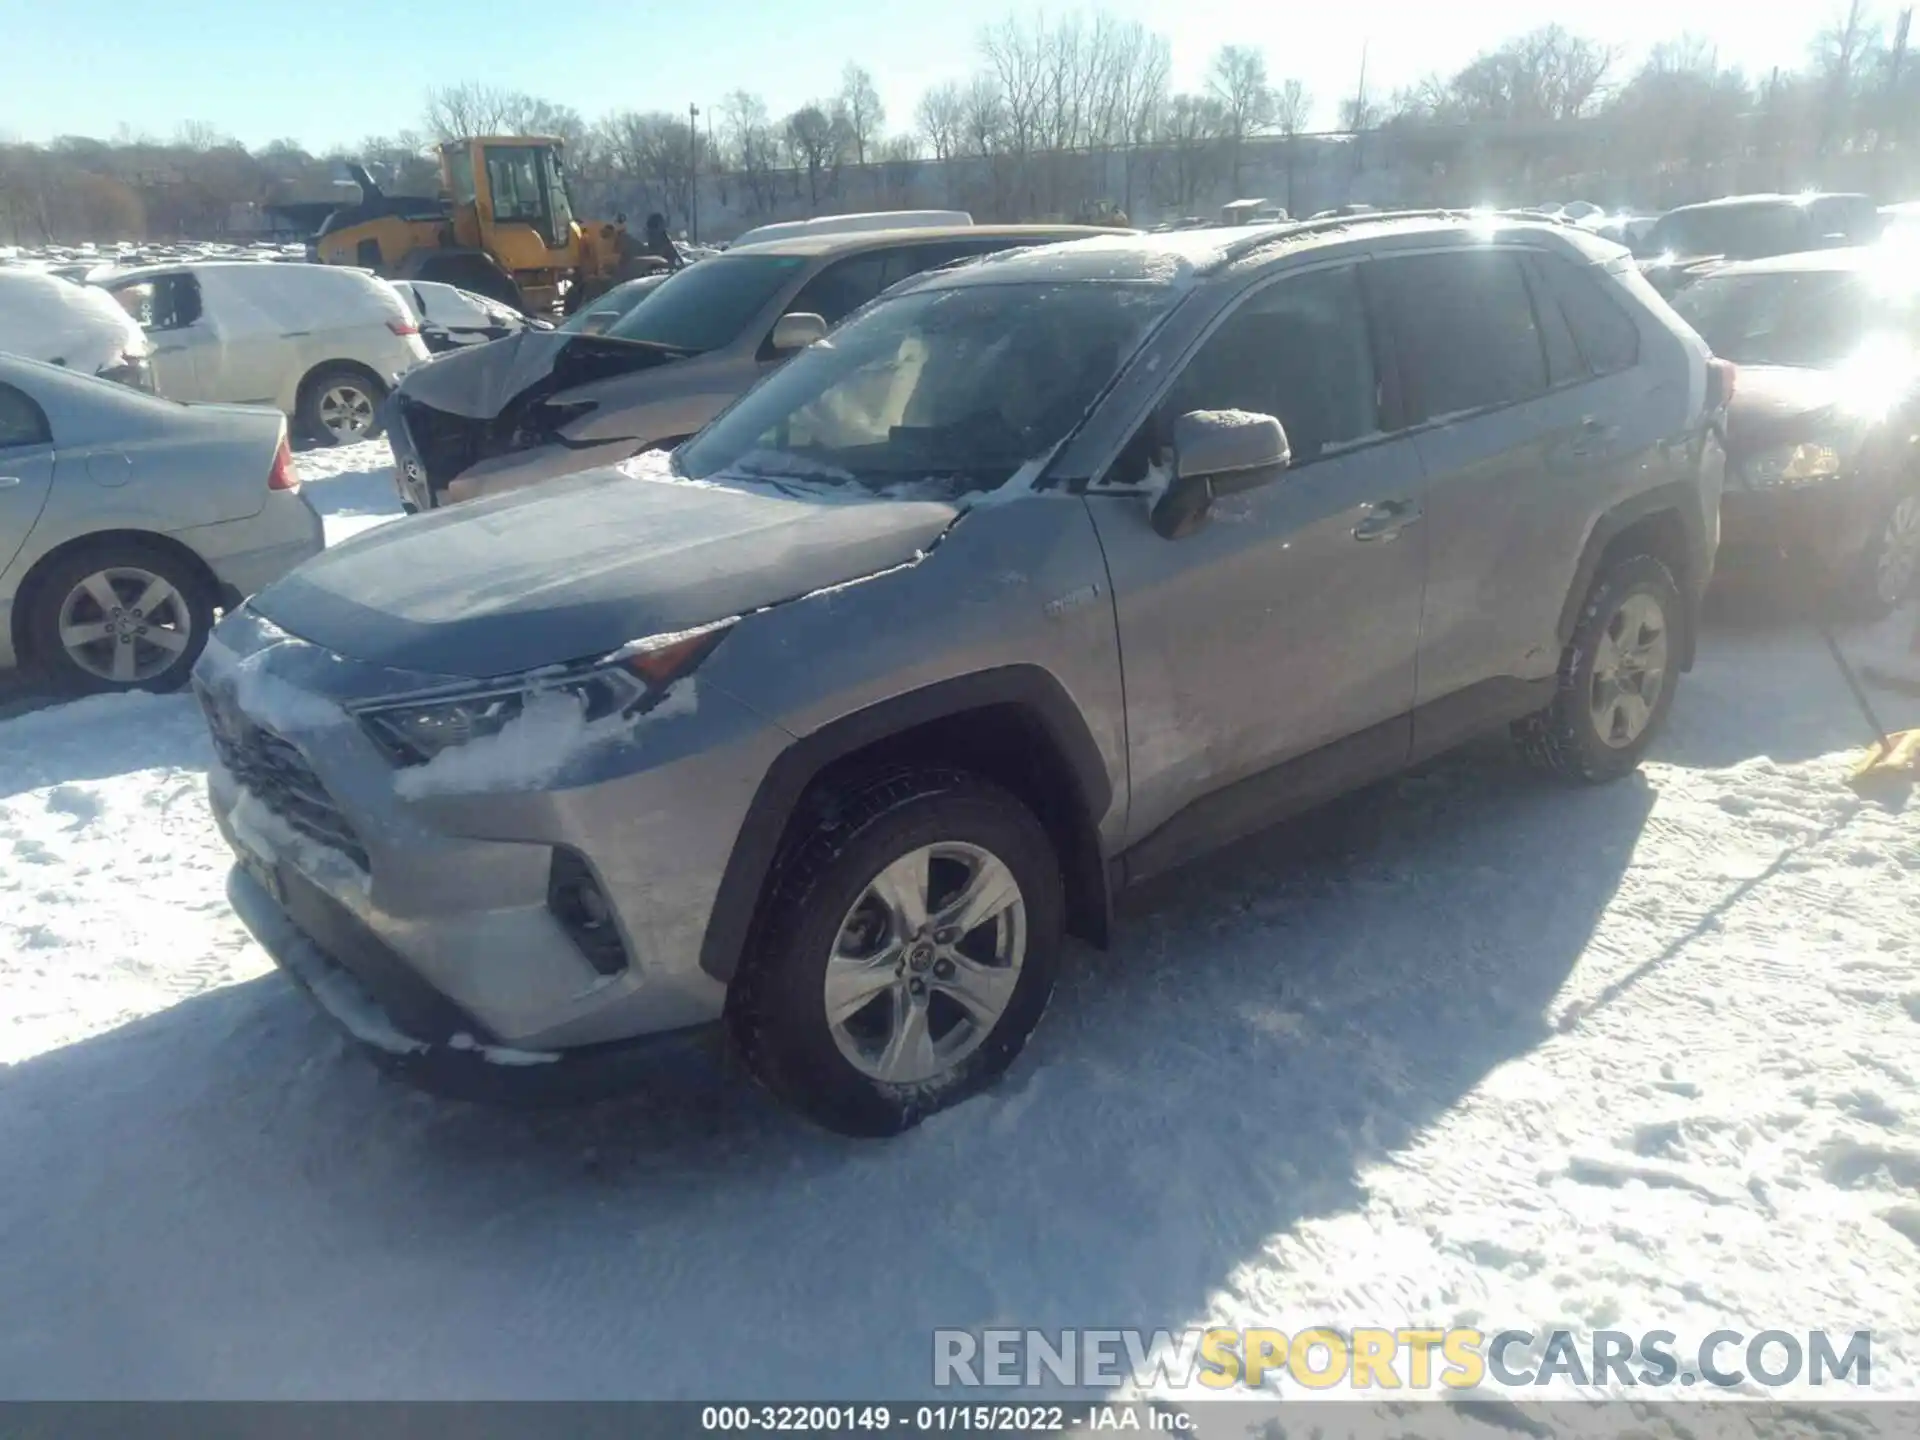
{"x": 796, "y": 331}
{"x": 1215, "y": 453}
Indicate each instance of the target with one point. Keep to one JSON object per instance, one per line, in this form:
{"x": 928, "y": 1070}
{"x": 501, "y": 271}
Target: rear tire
{"x": 1617, "y": 677}
{"x": 865, "y": 1021}
{"x": 340, "y": 405}
{"x": 119, "y": 615}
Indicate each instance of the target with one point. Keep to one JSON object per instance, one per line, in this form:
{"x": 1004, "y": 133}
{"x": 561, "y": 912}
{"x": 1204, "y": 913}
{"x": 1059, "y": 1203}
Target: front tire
{"x": 907, "y": 951}
{"x": 119, "y": 616}
{"x": 1617, "y": 677}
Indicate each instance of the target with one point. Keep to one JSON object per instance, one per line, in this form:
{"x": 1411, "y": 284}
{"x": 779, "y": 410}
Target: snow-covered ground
{"x": 1469, "y": 1048}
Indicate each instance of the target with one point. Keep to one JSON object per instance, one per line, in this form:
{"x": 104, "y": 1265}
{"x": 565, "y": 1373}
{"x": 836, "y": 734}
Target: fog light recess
{"x": 581, "y": 906}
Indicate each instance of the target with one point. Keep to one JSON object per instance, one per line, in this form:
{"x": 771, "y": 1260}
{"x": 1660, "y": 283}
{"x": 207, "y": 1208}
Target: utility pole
{"x": 1895, "y": 118}
{"x": 693, "y": 173}
{"x": 1360, "y": 109}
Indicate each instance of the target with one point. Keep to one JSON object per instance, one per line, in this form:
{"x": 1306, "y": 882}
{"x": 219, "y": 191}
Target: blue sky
{"x": 330, "y": 74}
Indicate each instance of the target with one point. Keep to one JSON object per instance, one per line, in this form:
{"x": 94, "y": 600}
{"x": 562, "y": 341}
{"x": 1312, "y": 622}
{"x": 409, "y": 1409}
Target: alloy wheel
{"x": 926, "y": 962}
{"x": 346, "y": 411}
{"x": 125, "y": 624}
{"x": 1629, "y": 671}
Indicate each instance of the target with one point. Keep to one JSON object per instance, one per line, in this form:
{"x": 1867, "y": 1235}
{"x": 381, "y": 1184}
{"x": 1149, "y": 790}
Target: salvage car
{"x": 452, "y": 319}
{"x": 127, "y": 520}
{"x": 816, "y": 726}
{"x": 1822, "y": 430}
{"x": 539, "y": 406}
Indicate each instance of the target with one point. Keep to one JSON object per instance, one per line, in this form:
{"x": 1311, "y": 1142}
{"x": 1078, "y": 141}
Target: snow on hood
{"x": 581, "y": 566}
{"x": 549, "y": 736}
{"x": 49, "y": 319}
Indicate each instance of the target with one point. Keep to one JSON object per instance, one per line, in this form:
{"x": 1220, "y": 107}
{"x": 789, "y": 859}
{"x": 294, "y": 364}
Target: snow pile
{"x": 282, "y": 707}
{"x": 46, "y": 318}
{"x": 352, "y": 486}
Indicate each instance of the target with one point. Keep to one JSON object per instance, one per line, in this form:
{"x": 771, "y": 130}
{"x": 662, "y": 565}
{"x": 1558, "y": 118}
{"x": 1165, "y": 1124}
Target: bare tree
{"x": 899, "y": 157}
{"x": 942, "y": 119}
{"x": 817, "y": 143}
{"x": 1292, "y": 109}
{"x": 860, "y": 104}
{"x": 1238, "y": 81}
{"x": 756, "y": 149}
{"x": 1843, "y": 55}
{"x": 1192, "y": 133}
{"x": 660, "y": 153}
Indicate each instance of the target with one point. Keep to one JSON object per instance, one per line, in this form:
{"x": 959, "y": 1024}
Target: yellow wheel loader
{"x": 503, "y": 226}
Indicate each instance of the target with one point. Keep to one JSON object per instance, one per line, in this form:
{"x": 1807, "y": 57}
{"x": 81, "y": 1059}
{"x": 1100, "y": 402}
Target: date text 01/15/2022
{"x": 934, "y": 1419}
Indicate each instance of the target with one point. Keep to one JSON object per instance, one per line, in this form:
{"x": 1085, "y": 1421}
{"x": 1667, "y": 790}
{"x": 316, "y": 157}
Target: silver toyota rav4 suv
{"x": 1044, "y": 574}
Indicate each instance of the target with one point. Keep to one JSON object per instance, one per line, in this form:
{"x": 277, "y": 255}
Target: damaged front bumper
{"x": 458, "y": 1066}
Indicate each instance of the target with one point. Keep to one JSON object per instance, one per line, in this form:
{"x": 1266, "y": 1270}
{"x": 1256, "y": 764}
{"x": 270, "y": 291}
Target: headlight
{"x": 1808, "y": 463}
{"x": 630, "y": 681}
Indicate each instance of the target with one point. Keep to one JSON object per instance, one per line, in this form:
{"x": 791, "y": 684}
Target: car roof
{"x": 1732, "y": 202}
{"x": 1177, "y": 256}
{"x": 841, "y": 241}
{"x": 1839, "y": 261}
{"x": 174, "y": 267}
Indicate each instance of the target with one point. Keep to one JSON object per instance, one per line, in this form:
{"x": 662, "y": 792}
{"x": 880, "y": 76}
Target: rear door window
{"x": 843, "y": 287}
{"x": 1465, "y": 328}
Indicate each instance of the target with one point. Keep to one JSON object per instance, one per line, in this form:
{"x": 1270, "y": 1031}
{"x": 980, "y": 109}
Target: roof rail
{"x": 1270, "y": 235}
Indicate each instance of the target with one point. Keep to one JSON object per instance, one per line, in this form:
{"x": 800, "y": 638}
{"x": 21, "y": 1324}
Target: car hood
{"x": 581, "y": 566}
{"x": 481, "y": 382}
{"x": 1779, "y": 405}
{"x": 475, "y": 403}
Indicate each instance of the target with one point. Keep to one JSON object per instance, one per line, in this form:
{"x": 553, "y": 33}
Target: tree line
{"x": 1058, "y": 116}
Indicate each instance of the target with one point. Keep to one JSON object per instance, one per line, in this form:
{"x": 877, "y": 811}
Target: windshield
{"x": 959, "y": 387}
{"x": 704, "y": 306}
{"x": 1811, "y": 319}
{"x": 1741, "y": 231}
{"x": 596, "y": 315}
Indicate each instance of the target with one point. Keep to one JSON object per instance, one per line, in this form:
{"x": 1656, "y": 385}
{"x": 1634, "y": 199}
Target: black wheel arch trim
{"x": 736, "y": 903}
{"x": 1679, "y": 499}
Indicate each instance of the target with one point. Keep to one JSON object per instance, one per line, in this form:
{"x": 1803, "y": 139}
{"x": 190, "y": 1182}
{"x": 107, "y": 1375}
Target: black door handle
{"x": 1386, "y": 519}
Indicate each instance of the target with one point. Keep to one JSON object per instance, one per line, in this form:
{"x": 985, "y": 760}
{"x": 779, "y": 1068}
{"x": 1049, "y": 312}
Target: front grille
{"x": 278, "y": 775}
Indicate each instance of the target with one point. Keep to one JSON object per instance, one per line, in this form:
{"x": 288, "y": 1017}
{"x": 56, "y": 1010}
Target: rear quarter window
{"x": 22, "y": 422}
{"x": 1603, "y": 330}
